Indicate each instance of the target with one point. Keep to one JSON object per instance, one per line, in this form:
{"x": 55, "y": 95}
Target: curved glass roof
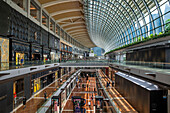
{"x": 114, "y": 23}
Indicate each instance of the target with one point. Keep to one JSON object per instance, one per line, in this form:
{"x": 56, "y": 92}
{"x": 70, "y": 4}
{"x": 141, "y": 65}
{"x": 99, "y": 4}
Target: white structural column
{"x": 40, "y": 15}
{"x": 28, "y": 8}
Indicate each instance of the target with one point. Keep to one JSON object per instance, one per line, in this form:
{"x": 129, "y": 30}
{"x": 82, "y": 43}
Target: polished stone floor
{"x": 121, "y": 104}
{"x": 37, "y": 100}
{"x": 85, "y": 93}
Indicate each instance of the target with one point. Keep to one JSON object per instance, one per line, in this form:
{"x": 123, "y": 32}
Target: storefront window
{"x": 37, "y": 85}
{"x": 18, "y": 91}
{"x": 35, "y": 11}
{"x": 21, "y": 3}
{"x": 19, "y": 58}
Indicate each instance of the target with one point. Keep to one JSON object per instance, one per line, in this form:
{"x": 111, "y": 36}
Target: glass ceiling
{"x": 115, "y": 23}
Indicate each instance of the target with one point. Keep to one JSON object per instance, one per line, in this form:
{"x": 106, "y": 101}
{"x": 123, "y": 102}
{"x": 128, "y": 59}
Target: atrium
{"x": 84, "y": 56}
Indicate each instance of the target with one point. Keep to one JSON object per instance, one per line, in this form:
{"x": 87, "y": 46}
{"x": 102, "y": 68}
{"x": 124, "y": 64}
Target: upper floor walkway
{"x": 157, "y": 71}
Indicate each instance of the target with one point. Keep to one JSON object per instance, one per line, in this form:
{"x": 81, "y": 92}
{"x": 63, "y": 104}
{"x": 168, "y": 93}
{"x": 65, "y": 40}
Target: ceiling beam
{"x": 64, "y": 25}
{"x": 64, "y": 11}
{"x": 78, "y": 33}
{"x": 58, "y": 2}
{"x": 83, "y": 34}
{"x": 75, "y": 27}
{"x": 73, "y": 31}
{"x": 67, "y": 18}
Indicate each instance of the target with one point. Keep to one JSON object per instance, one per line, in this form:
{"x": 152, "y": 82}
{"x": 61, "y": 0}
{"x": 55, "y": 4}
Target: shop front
{"x": 18, "y": 92}
{"x": 53, "y": 55}
{"x": 50, "y": 78}
{"x": 37, "y": 85}
{"x": 20, "y": 52}
{"x": 46, "y": 54}
{"x": 4, "y": 50}
{"x": 35, "y": 82}
{"x": 43, "y": 82}
{"x": 36, "y": 53}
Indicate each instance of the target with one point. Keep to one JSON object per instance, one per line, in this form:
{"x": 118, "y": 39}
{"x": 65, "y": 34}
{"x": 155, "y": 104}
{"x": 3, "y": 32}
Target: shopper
{"x": 92, "y": 97}
{"x": 45, "y": 95}
{"x": 22, "y": 60}
{"x": 113, "y": 83}
{"x": 55, "y": 107}
{"x": 107, "y": 84}
{"x": 84, "y": 110}
{"x": 89, "y": 103}
{"x": 24, "y": 102}
{"x": 86, "y": 77}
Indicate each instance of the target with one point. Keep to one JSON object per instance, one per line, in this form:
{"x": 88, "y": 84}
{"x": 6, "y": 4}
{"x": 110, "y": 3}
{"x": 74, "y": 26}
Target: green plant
{"x": 151, "y": 36}
{"x": 160, "y": 33}
{"x": 143, "y": 38}
{"x": 139, "y": 39}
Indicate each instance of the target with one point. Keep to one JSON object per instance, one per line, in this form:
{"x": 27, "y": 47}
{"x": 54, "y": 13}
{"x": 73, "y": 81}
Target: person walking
{"x": 107, "y": 84}
{"x": 22, "y": 60}
{"x": 55, "y": 107}
{"x": 113, "y": 83}
{"x": 24, "y": 102}
{"x": 92, "y": 97}
{"x": 89, "y": 103}
{"x": 87, "y": 77}
{"x": 45, "y": 95}
{"x": 61, "y": 80}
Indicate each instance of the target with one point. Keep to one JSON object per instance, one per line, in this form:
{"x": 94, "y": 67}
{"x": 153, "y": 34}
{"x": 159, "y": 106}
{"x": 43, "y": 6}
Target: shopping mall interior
{"x": 84, "y": 56}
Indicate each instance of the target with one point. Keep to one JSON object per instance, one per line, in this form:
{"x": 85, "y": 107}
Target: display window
{"x": 53, "y": 56}
{"x": 56, "y": 75}
{"x": 36, "y": 56}
{"x": 37, "y": 85}
{"x": 19, "y": 58}
{"x": 18, "y": 92}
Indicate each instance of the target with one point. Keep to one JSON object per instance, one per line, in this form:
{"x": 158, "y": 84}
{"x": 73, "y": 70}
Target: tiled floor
{"x": 37, "y": 100}
{"x": 85, "y": 93}
{"x": 117, "y": 98}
